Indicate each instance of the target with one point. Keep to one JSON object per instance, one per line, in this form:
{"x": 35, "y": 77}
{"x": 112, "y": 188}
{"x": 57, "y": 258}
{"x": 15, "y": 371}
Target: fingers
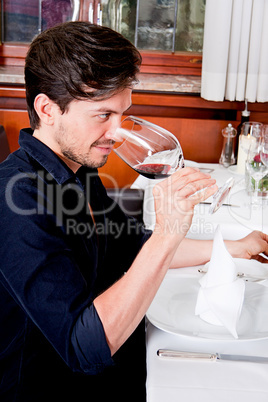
{"x": 182, "y": 191}
{"x": 256, "y": 243}
{"x": 264, "y": 236}
{"x": 204, "y": 194}
{"x": 191, "y": 176}
{"x": 191, "y": 182}
{"x": 265, "y": 247}
{"x": 176, "y": 197}
{"x": 187, "y": 175}
{"x": 199, "y": 190}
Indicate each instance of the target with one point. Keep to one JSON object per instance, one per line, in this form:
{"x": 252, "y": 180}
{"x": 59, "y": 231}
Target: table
{"x": 190, "y": 381}
{"x": 221, "y": 381}
{"x": 235, "y": 221}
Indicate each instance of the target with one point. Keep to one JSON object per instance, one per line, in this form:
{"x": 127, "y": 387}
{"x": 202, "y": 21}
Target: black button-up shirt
{"x": 55, "y": 259}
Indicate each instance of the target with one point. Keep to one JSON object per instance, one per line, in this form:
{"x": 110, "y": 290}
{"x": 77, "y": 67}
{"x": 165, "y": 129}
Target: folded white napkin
{"x": 221, "y": 295}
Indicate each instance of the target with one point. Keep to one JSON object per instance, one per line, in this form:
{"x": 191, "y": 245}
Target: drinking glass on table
{"x": 264, "y": 145}
{"x": 250, "y": 130}
{"x": 256, "y": 171}
{"x": 155, "y": 153}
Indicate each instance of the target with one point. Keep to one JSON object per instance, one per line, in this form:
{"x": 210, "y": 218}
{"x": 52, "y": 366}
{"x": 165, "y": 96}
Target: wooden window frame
{"x": 171, "y": 63}
{"x": 153, "y": 62}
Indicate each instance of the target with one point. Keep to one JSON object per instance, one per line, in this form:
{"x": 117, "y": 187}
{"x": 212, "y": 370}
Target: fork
{"x": 247, "y": 277}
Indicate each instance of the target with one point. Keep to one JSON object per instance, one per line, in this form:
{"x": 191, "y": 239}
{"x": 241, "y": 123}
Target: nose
{"x": 111, "y": 133}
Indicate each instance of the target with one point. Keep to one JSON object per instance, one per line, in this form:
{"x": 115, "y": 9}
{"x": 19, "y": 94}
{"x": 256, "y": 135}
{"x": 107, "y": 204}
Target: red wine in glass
{"x": 153, "y": 170}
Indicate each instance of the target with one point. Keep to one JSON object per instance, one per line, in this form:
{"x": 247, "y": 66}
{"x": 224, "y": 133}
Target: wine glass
{"x": 149, "y": 149}
{"x": 155, "y": 153}
{"x": 249, "y": 131}
{"x": 264, "y": 145}
{"x": 256, "y": 170}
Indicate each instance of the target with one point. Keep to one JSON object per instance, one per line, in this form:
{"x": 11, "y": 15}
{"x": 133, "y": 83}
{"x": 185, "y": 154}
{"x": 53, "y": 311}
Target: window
{"x": 169, "y": 33}
{"x": 22, "y": 20}
{"x": 165, "y": 25}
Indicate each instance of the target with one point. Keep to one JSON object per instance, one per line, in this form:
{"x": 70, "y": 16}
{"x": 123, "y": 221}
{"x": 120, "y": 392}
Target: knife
{"x": 223, "y": 205}
{"x": 213, "y": 357}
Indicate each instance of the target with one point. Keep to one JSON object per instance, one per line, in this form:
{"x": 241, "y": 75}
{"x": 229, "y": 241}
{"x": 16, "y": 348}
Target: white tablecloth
{"x": 191, "y": 381}
{"x": 221, "y": 381}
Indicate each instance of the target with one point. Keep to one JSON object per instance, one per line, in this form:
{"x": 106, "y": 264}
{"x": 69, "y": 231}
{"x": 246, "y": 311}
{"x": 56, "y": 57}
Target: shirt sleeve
{"x": 89, "y": 330}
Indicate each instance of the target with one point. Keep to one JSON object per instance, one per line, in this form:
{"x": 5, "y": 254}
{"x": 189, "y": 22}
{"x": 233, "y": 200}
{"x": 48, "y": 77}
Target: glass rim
{"x": 150, "y": 124}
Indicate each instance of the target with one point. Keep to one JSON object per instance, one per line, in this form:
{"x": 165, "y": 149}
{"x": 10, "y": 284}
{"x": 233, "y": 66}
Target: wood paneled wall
{"x": 195, "y": 122}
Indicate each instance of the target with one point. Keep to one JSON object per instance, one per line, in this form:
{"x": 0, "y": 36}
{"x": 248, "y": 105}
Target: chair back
{"x": 4, "y": 147}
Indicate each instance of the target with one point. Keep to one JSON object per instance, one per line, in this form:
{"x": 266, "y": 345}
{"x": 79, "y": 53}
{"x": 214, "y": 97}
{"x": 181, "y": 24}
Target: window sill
{"x": 182, "y": 84}
{"x": 11, "y": 75}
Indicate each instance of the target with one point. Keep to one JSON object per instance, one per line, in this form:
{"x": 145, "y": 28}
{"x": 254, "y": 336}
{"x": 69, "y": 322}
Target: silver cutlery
{"x": 224, "y": 204}
{"x": 206, "y": 170}
{"x": 243, "y": 275}
{"x": 212, "y": 357}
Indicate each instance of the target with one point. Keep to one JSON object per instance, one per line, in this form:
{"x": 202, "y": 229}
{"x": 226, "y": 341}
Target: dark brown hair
{"x": 78, "y": 60}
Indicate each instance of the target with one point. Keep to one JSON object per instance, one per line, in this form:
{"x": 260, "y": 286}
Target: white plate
{"x": 173, "y": 308}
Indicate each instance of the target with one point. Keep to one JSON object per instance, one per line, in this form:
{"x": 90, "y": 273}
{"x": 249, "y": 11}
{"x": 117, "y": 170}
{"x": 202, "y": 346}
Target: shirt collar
{"x": 47, "y": 158}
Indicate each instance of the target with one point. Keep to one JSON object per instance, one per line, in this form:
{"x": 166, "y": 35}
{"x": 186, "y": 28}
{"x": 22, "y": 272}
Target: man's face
{"x": 83, "y": 135}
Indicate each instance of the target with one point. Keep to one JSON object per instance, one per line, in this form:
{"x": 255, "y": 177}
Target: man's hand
{"x": 251, "y": 246}
{"x": 176, "y": 197}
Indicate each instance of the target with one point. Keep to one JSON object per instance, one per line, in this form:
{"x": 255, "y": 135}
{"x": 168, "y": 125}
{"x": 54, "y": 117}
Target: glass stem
{"x": 255, "y": 194}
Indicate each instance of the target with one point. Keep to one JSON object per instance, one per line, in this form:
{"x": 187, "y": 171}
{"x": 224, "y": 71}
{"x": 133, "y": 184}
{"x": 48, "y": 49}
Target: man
{"x": 77, "y": 275}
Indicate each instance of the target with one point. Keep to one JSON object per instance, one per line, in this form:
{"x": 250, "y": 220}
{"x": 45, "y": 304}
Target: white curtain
{"x": 235, "y": 51}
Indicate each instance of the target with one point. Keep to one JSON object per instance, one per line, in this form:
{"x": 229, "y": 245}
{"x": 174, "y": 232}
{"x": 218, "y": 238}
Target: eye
{"x": 104, "y": 116}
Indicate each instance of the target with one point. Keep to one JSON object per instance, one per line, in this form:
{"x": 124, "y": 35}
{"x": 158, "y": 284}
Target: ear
{"x": 45, "y": 108}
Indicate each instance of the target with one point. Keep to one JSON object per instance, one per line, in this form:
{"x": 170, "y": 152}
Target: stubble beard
{"x": 82, "y": 159}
